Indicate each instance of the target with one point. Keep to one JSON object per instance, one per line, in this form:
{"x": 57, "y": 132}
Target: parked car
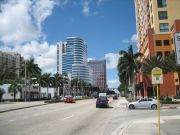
{"x": 115, "y": 97}
{"x": 102, "y": 101}
{"x": 143, "y": 103}
{"x": 69, "y": 99}
{"x": 78, "y": 97}
{"x": 56, "y": 98}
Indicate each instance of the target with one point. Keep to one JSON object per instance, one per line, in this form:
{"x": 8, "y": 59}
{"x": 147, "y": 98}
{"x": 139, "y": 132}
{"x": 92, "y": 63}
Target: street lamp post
{"x": 25, "y": 82}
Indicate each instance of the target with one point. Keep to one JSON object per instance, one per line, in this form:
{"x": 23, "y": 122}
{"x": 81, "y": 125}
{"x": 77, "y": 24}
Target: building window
{"x": 167, "y": 53}
{"x": 166, "y": 42}
{"x": 164, "y": 27}
{"x": 158, "y": 43}
{"x": 161, "y": 3}
{"x": 159, "y": 54}
{"x": 172, "y": 41}
{"x": 162, "y": 15}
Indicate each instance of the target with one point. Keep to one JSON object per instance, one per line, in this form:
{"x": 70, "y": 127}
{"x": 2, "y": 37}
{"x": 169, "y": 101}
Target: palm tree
{"x": 150, "y": 63}
{"x": 57, "y": 82}
{"x": 170, "y": 65}
{"x": 38, "y": 80}
{"x": 32, "y": 70}
{"x": 15, "y": 87}
{"x": 82, "y": 85}
{"x": 124, "y": 79}
{"x": 7, "y": 74}
{"x": 129, "y": 66}
{"x": 1, "y": 93}
{"x": 74, "y": 84}
{"x": 47, "y": 81}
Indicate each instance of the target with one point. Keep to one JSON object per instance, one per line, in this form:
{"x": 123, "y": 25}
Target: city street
{"x": 83, "y": 118}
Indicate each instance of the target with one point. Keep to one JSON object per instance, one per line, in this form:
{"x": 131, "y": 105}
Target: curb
{"x": 170, "y": 107}
{"x": 22, "y": 108}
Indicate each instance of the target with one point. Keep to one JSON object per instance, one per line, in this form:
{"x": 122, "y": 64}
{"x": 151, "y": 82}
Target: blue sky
{"x": 107, "y": 26}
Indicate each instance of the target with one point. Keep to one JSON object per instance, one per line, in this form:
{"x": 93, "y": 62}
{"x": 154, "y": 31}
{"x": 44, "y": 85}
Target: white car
{"x": 143, "y": 103}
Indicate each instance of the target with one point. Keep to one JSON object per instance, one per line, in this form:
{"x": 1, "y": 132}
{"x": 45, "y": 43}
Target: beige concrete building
{"x": 11, "y": 61}
{"x": 158, "y": 15}
{"x": 156, "y": 22}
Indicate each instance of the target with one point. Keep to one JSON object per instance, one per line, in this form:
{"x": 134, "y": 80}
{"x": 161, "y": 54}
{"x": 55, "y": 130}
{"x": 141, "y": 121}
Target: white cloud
{"x": 113, "y": 83}
{"x": 43, "y": 53}
{"x": 133, "y": 39}
{"x": 21, "y": 30}
{"x": 112, "y": 60}
{"x": 125, "y": 41}
{"x": 63, "y": 2}
{"x": 99, "y": 2}
{"x": 91, "y": 59}
{"x": 21, "y": 20}
{"x": 86, "y": 9}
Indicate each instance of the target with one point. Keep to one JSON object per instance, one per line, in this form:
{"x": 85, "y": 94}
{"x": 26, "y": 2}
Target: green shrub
{"x": 176, "y": 97}
{"x": 168, "y": 99}
{"x": 53, "y": 101}
{"x": 1, "y": 93}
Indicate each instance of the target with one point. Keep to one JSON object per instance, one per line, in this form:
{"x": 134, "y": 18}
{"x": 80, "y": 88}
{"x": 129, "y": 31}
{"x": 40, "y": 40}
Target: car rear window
{"x": 103, "y": 98}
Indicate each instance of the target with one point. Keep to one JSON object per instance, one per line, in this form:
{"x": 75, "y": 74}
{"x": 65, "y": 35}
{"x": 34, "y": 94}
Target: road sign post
{"x": 157, "y": 78}
{"x": 177, "y": 47}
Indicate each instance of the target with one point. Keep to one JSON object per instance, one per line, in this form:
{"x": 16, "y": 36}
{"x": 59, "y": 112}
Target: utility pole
{"x": 25, "y": 80}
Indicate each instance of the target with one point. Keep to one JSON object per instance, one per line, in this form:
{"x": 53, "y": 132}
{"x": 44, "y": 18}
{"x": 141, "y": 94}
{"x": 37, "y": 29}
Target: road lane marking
{"x": 122, "y": 128}
{"x": 12, "y": 120}
{"x": 67, "y": 117}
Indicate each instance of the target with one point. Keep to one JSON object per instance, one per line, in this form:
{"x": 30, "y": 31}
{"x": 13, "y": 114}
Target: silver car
{"x": 143, "y": 103}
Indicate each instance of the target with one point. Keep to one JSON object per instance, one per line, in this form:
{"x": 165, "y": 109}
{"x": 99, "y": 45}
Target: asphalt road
{"x": 80, "y": 118}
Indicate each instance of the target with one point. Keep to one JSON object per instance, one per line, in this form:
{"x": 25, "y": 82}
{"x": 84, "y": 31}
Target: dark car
{"x": 102, "y": 101}
{"x": 115, "y": 97}
{"x": 56, "y": 98}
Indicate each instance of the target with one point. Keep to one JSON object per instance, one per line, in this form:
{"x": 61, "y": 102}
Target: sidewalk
{"x": 5, "y": 107}
{"x": 144, "y": 126}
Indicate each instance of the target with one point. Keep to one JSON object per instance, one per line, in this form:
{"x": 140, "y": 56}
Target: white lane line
{"x": 67, "y": 117}
{"x": 12, "y": 120}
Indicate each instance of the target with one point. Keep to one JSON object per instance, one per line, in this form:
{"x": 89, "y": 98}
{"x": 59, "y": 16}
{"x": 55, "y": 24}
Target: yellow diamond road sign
{"x": 157, "y": 76}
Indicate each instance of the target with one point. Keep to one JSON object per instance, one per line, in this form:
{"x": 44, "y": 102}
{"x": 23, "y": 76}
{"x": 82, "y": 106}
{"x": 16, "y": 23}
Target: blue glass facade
{"x": 74, "y": 58}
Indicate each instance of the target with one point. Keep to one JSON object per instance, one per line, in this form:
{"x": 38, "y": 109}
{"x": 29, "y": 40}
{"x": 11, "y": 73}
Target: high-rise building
{"x": 98, "y": 68}
{"x": 73, "y": 58}
{"x": 11, "y": 61}
{"x": 156, "y": 22}
{"x": 60, "y": 51}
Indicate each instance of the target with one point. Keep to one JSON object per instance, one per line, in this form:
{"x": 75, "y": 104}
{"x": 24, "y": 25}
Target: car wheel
{"x": 131, "y": 106}
{"x": 153, "y": 107}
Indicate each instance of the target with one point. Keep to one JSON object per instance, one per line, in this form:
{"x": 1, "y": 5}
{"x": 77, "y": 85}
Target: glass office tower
{"x": 74, "y": 59}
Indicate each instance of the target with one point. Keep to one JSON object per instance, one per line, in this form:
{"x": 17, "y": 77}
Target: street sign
{"x": 157, "y": 76}
{"x": 177, "y": 47}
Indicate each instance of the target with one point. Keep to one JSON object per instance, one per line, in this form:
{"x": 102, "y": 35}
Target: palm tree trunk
{"x": 39, "y": 91}
{"x": 14, "y": 94}
{"x": 47, "y": 91}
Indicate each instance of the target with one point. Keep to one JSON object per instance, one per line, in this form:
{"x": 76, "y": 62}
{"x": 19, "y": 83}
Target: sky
{"x": 33, "y": 27}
